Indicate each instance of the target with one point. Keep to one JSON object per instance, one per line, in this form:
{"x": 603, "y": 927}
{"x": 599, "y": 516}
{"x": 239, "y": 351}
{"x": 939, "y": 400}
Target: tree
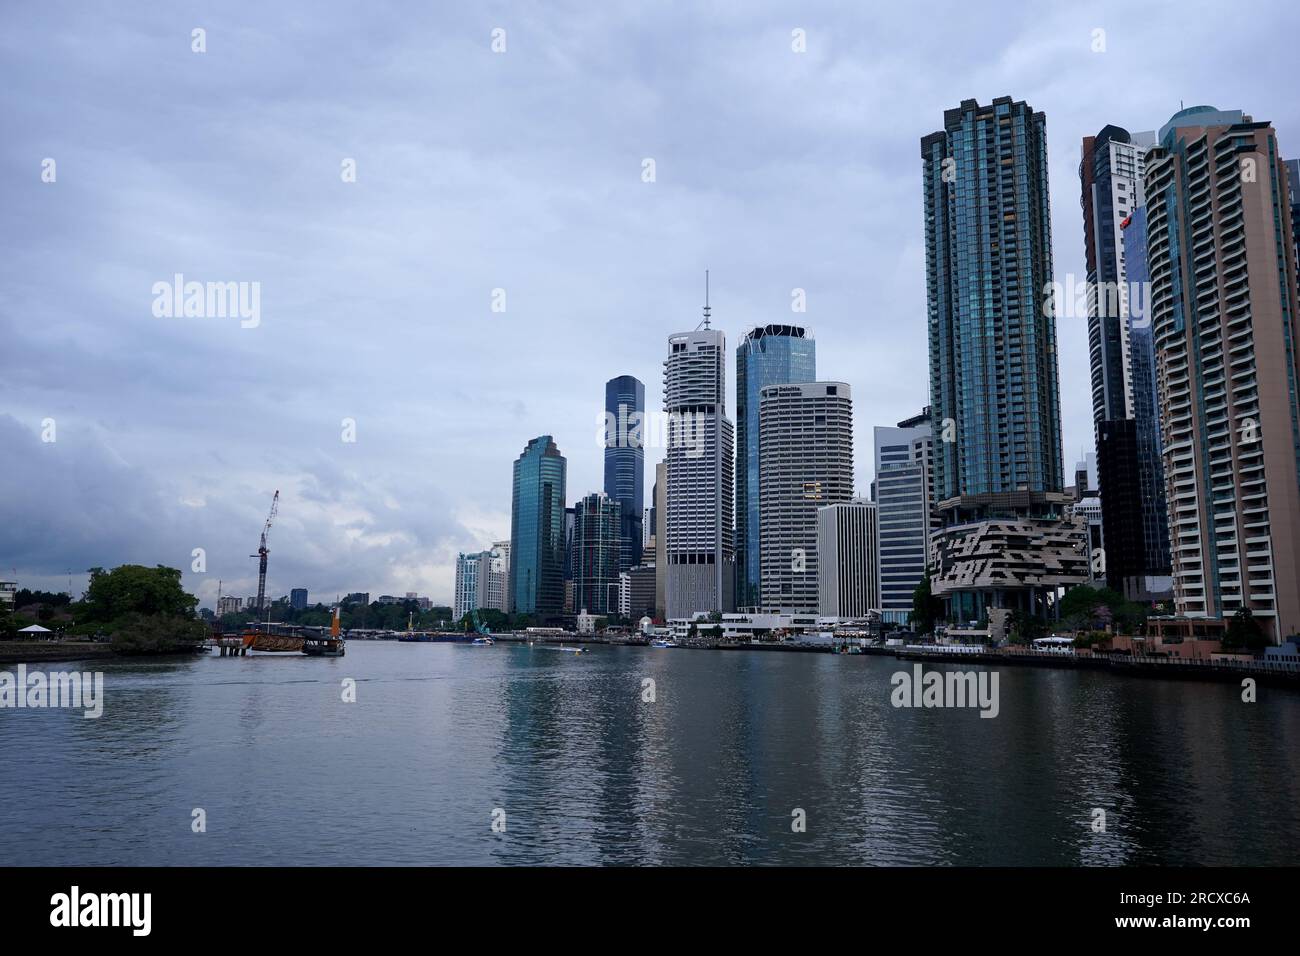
{"x": 1244, "y": 632}
{"x": 926, "y": 608}
{"x": 8, "y": 626}
{"x": 135, "y": 589}
{"x": 145, "y": 609}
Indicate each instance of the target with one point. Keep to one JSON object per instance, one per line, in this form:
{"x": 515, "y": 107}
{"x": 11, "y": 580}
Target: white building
{"x": 699, "y": 530}
{"x": 848, "y": 576}
{"x": 805, "y": 461}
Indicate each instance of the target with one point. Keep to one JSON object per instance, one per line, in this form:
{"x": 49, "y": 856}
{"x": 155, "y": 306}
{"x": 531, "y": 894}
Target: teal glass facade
{"x": 769, "y": 355}
{"x": 537, "y": 530}
{"x": 993, "y": 363}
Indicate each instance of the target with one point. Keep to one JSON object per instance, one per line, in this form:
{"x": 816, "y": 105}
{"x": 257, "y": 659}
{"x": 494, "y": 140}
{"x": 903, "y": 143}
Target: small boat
{"x": 320, "y": 646}
{"x": 482, "y": 642}
{"x": 662, "y": 643}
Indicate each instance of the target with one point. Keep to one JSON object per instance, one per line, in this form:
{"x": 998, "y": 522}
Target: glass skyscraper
{"x": 769, "y": 355}
{"x": 1120, "y": 350}
{"x": 625, "y": 461}
{"x": 596, "y": 547}
{"x": 537, "y": 529}
{"x": 1007, "y": 542}
{"x": 988, "y": 245}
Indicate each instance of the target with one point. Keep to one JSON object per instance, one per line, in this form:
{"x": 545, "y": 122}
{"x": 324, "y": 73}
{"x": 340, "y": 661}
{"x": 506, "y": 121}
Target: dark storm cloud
{"x": 478, "y": 171}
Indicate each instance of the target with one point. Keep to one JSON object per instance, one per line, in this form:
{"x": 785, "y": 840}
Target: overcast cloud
{"x": 479, "y": 171}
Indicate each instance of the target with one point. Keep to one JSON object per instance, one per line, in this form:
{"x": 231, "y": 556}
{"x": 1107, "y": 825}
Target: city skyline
{"x": 441, "y": 406}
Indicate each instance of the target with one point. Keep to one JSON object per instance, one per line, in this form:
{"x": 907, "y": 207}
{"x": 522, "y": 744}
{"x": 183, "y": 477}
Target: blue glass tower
{"x": 625, "y": 461}
{"x": 988, "y": 240}
{"x": 537, "y": 530}
{"x": 769, "y": 355}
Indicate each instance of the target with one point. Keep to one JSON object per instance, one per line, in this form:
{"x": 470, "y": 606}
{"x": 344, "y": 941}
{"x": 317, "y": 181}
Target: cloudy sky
{"x": 479, "y": 170}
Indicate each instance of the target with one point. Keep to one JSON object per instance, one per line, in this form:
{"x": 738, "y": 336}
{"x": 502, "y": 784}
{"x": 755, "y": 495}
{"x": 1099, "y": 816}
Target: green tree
{"x": 1244, "y": 632}
{"x": 926, "y": 608}
{"x": 8, "y": 626}
{"x": 135, "y": 589}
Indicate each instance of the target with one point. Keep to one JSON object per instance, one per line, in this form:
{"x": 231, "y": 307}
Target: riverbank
{"x": 39, "y": 652}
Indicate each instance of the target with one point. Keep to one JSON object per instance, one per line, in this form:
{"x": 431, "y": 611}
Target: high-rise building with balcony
{"x": 1220, "y": 249}
{"x": 625, "y": 461}
{"x": 993, "y": 364}
{"x": 769, "y": 355}
{"x": 537, "y": 529}
{"x": 805, "y": 462}
{"x": 699, "y": 525}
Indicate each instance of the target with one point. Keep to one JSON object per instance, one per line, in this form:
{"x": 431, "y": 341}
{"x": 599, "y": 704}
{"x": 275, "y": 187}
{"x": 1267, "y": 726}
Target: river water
{"x": 452, "y": 754}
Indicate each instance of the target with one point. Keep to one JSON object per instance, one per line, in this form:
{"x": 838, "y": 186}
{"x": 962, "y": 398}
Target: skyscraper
{"x": 298, "y": 599}
{"x": 848, "y": 582}
{"x": 1224, "y": 295}
{"x": 597, "y": 544}
{"x": 1293, "y": 176}
{"x": 625, "y": 461}
{"x": 1111, "y": 176}
{"x": 906, "y": 515}
{"x": 1156, "y": 581}
{"x": 661, "y": 540}
{"x": 465, "y": 597}
{"x": 805, "y": 462}
{"x": 699, "y": 526}
{"x": 537, "y": 529}
{"x": 496, "y": 592}
{"x": 769, "y": 355}
{"x": 993, "y": 373}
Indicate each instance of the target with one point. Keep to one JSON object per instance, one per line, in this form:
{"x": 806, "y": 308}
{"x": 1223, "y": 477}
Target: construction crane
{"x": 262, "y": 552}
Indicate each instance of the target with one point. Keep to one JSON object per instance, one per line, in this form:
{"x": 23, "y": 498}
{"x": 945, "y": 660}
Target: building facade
{"x": 597, "y": 549}
{"x": 769, "y": 355}
{"x": 1119, "y": 344}
{"x": 625, "y": 461}
{"x": 298, "y": 599}
{"x": 805, "y": 462}
{"x": 848, "y": 579}
{"x": 994, "y": 390}
{"x": 1220, "y": 250}
{"x": 537, "y": 529}
{"x": 903, "y": 490}
{"x": 699, "y": 525}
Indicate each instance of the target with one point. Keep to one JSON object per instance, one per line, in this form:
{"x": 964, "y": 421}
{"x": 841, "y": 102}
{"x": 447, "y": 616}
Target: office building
{"x": 769, "y": 355}
{"x": 848, "y": 579}
{"x": 699, "y": 523}
{"x": 1120, "y": 355}
{"x": 537, "y": 529}
{"x": 903, "y": 490}
{"x": 298, "y": 599}
{"x": 597, "y": 545}
{"x": 625, "y": 461}
{"x": 805, "y": 462}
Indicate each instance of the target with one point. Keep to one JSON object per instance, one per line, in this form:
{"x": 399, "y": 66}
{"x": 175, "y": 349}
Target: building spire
{"x": 706, "y": 298}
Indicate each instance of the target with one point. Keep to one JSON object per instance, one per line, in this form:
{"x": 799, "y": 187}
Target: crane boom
{"x": 262, "y": 552}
